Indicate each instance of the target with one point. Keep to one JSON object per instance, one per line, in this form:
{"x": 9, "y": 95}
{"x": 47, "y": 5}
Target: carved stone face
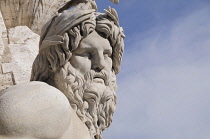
{"x": 93, "y": 53}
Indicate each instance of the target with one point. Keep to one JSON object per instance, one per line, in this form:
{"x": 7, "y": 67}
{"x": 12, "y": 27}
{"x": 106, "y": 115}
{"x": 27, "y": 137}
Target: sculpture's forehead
{"x": 95, "y": 41}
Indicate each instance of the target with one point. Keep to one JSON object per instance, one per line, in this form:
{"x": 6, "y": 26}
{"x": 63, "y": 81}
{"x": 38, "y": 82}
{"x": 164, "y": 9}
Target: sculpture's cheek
{"x": 82, "y": 64}
{"x": 108, "y": 66}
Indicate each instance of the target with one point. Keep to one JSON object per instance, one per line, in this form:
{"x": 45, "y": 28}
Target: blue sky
{"x": 164, "y": 84}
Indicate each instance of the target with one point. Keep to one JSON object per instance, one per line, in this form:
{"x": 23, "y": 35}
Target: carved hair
{"x": 64, "y": 32}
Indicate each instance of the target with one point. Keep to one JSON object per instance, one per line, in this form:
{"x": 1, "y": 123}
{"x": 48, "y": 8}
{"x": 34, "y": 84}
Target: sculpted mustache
{"x": 102, "y": 74}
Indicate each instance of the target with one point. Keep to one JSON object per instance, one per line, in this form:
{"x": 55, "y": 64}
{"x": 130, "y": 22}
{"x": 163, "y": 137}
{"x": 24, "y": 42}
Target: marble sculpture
{"x": 80, "y": 53}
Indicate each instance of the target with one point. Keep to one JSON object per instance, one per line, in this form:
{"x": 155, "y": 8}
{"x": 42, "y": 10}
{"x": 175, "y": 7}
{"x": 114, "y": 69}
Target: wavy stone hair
{"x": 63, "y": 34}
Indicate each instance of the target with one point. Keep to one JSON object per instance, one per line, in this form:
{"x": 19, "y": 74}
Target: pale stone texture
{"x": 41, "y": 107}
{"x": 19, "y": 51}
{"x": 31, "y": 13}
{"x": 23, "y": 48}
{"x": 22, "y": 35}
{"x": 2, "y": 35}
{"x": 77, "y": 129}
{"x": 6, "y": 79}
{"x": 1, "y": 48}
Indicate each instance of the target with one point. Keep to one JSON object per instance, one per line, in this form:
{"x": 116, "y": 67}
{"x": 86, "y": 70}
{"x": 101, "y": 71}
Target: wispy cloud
{"x": 164, "y": 90}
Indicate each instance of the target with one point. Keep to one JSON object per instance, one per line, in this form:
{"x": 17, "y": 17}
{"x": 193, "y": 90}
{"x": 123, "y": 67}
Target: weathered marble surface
{"x": 23, "y": 47}
{"x": 20, "y": 47}
{"x": 31, "y": 13}
{"x": 2, "y": 35}
{"x": 50, "y": 116}
{"x": 6, "y": 79}
{"x": 80, "y": 53}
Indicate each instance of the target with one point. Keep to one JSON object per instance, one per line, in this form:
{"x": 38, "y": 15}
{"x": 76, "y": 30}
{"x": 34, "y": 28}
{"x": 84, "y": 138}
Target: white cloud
{"x": 164, "y": 90}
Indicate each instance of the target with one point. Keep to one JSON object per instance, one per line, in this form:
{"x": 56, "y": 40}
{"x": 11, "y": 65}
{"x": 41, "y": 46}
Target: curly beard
{"x": 93, "y": 102}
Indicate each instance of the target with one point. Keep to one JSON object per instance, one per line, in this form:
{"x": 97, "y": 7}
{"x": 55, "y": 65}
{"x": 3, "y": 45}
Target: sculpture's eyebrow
{"x": 108, "y": 49}
{"x": 82, "y": 49}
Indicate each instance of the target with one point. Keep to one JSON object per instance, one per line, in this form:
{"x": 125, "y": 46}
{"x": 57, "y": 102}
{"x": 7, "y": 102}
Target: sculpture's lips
{"x": 99, "y": 78}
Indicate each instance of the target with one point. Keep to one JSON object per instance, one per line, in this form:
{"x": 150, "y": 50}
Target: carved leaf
{"x": 115, "y": 1}
{"x": 112, "y": 13}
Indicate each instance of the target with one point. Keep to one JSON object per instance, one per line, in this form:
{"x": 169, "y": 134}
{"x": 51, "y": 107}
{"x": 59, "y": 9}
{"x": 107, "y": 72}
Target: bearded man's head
{"x": 80, "y": 54}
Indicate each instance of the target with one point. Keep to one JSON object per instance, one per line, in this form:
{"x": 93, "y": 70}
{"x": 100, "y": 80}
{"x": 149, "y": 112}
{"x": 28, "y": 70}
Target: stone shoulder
{"x": 34, "y": 105}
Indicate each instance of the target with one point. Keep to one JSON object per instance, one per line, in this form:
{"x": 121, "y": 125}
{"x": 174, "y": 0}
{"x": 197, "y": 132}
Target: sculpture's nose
{"x": 98, "y": 62}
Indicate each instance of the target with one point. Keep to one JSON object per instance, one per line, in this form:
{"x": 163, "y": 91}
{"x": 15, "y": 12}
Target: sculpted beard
{"x": 94, "y": 102}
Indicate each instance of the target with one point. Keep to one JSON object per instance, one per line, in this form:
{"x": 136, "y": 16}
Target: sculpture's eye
{"x": 83, "y": 53}
{"x": 87, "y": 54}
{"x": 107, "y": 54}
